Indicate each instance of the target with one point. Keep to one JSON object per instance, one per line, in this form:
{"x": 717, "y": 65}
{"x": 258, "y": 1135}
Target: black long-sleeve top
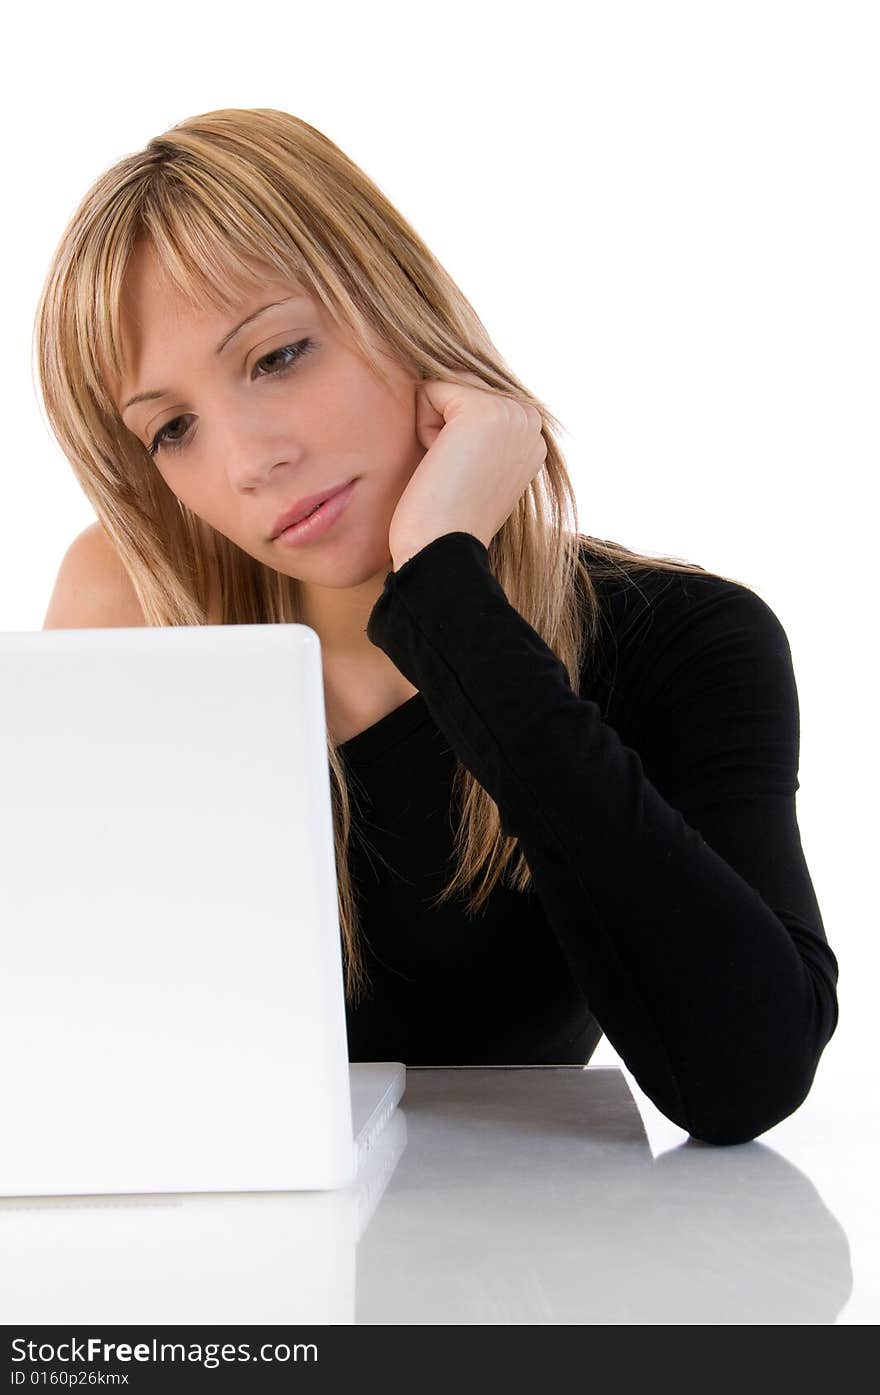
{"x": 670, "y": 905}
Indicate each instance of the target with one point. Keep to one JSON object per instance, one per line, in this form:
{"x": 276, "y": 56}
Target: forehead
{"x": 156, "y": 314}
{"x": 151, "y": 300}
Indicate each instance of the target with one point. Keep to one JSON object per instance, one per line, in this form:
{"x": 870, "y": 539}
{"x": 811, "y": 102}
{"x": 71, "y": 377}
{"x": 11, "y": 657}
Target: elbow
{"x": 726, "y": 1128}
{"x": 729, "y": 1115}
{"x": 726, "y": 1087}
{"x": 728, "y": 1132}
{"x": 753, "y": 1092}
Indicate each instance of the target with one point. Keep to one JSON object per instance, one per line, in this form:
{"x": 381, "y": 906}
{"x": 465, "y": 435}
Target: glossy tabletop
{"x": 498, "y": 1195}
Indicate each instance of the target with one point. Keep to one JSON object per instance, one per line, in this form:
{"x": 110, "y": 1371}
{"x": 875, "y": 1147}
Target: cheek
{"x": 387, "y": 428}
{"x": 202, "y": 504}
{"x": 359, "y": 412}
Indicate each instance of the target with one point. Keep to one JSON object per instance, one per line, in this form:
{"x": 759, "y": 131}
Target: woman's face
{"x": 247, "y": 429}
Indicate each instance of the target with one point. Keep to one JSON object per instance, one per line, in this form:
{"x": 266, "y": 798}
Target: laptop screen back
{"x": 172, "y": 1010}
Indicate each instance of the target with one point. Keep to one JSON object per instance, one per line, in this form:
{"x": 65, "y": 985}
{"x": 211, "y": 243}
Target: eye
{"x": 290, "y": 353}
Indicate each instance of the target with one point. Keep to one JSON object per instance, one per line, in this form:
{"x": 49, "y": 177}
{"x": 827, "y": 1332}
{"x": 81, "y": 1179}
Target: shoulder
{"x": 95, "y": 554}
{"x": 680, "y": 610}
{"x": 93, "y": 547}
{"x": 703, "y": 679}
{"x": 92, "y": 587}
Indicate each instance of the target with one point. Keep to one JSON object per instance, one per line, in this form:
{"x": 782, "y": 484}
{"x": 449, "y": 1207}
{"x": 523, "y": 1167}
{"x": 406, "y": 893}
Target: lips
{"x": 304, "y": 506}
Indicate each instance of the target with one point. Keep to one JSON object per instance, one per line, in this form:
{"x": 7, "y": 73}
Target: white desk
{"x": 500, "y": 1195}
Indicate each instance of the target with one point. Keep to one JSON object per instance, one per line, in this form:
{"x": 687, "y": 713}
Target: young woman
{"x": 564, "y": 773}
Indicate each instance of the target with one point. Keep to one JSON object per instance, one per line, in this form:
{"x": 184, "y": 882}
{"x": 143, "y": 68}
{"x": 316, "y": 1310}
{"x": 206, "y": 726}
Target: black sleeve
{"x": 693, "y": 930}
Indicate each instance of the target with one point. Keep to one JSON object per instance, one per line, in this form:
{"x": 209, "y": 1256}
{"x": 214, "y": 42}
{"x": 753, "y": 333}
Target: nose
{"x": 249, "y": 449}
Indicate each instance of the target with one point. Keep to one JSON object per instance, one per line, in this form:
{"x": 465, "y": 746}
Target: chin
{"x": 347, "y": 564}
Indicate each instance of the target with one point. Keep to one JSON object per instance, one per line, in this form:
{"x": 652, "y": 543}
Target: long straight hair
{"x": 227, "y": 200}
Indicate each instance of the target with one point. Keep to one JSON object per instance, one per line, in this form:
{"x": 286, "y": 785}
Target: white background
{"x": 667, "y": 216}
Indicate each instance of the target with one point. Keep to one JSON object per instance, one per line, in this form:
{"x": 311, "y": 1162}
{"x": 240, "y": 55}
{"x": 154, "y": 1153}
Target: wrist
{"x": 401, "y": 555}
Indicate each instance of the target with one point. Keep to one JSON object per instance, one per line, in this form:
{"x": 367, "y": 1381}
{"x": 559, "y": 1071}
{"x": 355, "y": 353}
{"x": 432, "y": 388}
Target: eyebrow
{"x": 166, "y": 392}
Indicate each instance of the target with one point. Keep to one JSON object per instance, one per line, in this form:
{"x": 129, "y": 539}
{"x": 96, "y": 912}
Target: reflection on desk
{"x": 499, "y": 1195}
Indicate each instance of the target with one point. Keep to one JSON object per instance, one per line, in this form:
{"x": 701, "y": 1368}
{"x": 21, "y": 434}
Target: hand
{"x": 482, "y": 453}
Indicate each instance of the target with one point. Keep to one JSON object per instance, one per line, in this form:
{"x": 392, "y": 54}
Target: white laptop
{"x": 171, "y": 1000}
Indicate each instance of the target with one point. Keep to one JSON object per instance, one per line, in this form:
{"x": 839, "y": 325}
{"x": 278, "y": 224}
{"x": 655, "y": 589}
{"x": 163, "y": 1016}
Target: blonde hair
{"x": 225, "y": 199}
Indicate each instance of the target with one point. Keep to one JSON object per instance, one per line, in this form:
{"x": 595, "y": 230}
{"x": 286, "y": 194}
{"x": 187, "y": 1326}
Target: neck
{"x": 339, "y": 615}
